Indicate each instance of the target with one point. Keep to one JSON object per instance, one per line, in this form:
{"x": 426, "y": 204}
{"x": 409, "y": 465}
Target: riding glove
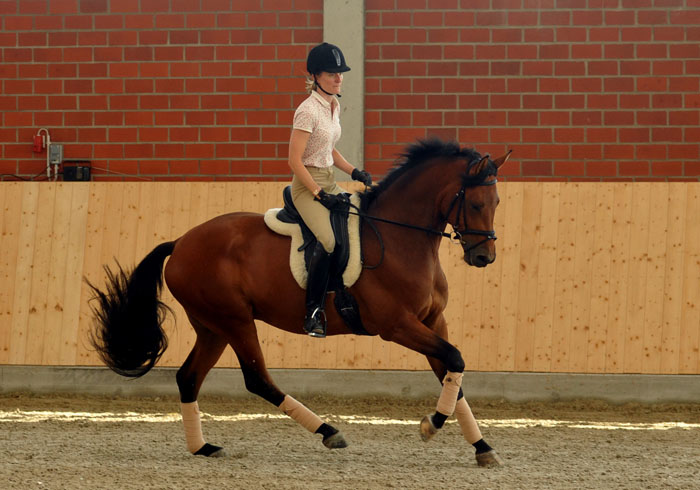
{"x": 330, "y": 201}
{"x": 362, "y": 176}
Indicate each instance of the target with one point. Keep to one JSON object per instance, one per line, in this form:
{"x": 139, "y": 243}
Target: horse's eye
{"x": 477, "y": 207}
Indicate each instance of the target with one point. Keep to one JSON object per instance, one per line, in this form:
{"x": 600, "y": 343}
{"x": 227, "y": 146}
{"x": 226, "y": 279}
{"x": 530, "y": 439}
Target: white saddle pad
{"x": 296, "y": 258}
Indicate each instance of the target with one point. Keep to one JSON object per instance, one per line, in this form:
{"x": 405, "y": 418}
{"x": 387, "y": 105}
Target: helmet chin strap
{"x": 322, "y": 90}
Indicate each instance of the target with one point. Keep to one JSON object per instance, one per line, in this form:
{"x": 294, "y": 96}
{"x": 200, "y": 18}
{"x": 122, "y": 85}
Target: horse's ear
{"x": 476, "y": 169}
{"x": 500, "y": 161}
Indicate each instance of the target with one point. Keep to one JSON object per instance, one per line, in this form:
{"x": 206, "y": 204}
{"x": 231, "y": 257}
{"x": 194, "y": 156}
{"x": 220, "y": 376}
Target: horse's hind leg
{"x": 206, "y": 351}
{"x": 257, "y": 380}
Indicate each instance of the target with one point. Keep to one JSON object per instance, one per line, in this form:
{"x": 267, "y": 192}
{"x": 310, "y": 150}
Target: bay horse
{"x": 232, "y": 270}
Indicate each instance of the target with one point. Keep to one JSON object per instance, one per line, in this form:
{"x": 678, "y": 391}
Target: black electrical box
{"x": 76, "y": 170}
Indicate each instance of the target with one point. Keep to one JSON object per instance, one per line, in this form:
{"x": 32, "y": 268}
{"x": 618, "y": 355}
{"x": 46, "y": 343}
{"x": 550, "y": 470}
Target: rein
{"x": 455, "y": 237}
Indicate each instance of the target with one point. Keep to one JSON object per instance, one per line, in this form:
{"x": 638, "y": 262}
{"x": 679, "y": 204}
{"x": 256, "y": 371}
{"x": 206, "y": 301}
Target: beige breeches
{"x": 315, "y": 215}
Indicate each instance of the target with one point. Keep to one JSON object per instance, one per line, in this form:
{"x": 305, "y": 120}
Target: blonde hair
{"x": 310, "y": 84}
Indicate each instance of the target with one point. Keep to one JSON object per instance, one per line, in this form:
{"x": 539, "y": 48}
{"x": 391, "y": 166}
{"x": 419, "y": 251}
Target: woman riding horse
{"x": 312, "y": 156}
{"x": 232, "y": 271}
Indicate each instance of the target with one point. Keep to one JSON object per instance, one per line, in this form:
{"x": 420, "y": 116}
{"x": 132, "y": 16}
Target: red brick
{"x": 142, "y": 150}
{"x": 48, "y": 86}
{"x": 32, "y": 103}
{"x": 537, "y": 101}
{"x": 537, "y": 135}
{"x": 111, "y": 118}
{"x": 569, "y": 168}
{"x": 17, "y": 87}
{"x": 656, "y": 50}
{"x": 558, "y": 17}
{"x": 490, "y": 85}
{"x": 569, "y": 101}
{"x": 601, "y": 169}
{"x": 684, "y": 118}
{"x": 474, "y": 35}
{"x": 652, "y": 118}
{"x": 673, "y": 34}
{"x": 635, "y": 67}
{"x": 505, "y": 101}
{"x": 691, "y": 169}
{"x": 650, "y": 152}
{"x": 601, "y": 135}
{"x": 8, "y": 103}
{"x": 25, "y": 71}
{"x": 426, "y": 118}
{"x": 536, "y": 168}
{"x": 63, "y": 102}
{"x": 458, "y": 85}
{"x": 138, "y": 22}
{"x": 522, "y": 118}
{"x": 122, "y": 135}
{"x": 669, "y": 101}
{"x": 33, "y": 7}
{"x": 548, "y": 85}
{"x": 667, "y": 134}
{"x": 587, "y": 152}
{"x": 541, "y": 68}
{"x": 520, "y": 85}
{"x": 666, "y": 168}
{"x": 636, "y": 34}
{"x": 78, "y": 118}
{"x": 634, "y": 168}
{"x": 491, "y": 118}
{"x": 692, "y": 135}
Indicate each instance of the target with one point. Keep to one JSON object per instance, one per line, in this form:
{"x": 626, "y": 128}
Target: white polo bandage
{"x": 450, "y": 392}
{"x": 193, "y": 426}
{"x": 305, "y": 417}
{"x": 467, "y": 422}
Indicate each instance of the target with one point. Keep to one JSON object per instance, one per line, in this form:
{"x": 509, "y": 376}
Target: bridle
{"x": 459, "y": 200}
{"x": 456, "y": 236}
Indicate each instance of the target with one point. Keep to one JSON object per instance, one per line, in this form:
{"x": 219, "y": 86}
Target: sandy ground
{"x": 82, "y": 442}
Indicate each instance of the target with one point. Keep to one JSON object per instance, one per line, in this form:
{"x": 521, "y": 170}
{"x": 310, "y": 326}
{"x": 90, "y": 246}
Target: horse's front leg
{"x": 448, "y": 365}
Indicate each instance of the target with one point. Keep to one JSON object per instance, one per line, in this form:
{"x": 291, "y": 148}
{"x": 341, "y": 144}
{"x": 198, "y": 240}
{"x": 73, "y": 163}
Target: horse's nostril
{"x": 483, "y": 260}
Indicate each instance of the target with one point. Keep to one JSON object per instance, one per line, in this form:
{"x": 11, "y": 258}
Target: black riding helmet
{"x": 326, "y": 57}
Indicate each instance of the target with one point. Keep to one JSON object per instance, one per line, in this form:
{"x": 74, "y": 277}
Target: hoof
{"x": 489, "y": 459}
{"x": 211, "y": 451}
{"x": 336, "y": 441}
{"x": 427, "y": 429}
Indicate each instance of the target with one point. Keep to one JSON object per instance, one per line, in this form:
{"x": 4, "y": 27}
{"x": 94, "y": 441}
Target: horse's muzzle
{"x": 479, "y": 257}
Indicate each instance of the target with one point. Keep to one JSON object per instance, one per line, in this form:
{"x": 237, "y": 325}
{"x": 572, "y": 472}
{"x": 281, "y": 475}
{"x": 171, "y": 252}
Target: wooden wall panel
{"x": 590, "y": 278}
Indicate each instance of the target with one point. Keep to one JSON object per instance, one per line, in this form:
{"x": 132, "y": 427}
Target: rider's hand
{"x": 362, "y": 176}
{"x": 328, "y": 200}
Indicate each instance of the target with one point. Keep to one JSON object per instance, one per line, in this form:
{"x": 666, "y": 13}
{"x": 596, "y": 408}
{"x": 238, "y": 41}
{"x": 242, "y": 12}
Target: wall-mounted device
{"x": 55, "y": 154}
{"x": 76, "y": 170}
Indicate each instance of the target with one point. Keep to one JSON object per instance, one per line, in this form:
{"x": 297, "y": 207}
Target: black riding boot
{"x": 316, "y": 285}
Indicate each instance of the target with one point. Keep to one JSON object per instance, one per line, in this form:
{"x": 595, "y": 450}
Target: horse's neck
{"x": 414, "y": 202}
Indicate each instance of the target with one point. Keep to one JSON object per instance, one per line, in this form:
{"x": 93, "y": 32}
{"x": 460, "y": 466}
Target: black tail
{"x": 128, "y": 334}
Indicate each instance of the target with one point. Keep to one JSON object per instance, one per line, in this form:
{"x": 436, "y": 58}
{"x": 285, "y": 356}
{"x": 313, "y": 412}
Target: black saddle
{"x": 344, "y": 302}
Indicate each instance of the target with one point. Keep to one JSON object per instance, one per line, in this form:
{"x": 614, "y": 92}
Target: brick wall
{"x": 206, "y": 89}
{"x": 580, "y": 89}
{"x": 155, "y": 89}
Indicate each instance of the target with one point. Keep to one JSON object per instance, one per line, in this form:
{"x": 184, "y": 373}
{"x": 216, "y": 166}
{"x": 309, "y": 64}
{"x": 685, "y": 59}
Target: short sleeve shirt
{"x": 314, "y": 116}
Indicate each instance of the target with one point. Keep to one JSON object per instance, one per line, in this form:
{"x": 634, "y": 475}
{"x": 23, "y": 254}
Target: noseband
{"x": 459, "y": 200}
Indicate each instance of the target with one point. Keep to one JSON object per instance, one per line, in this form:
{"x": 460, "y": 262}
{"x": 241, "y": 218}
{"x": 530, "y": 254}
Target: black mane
{"x": 421, "y": 152}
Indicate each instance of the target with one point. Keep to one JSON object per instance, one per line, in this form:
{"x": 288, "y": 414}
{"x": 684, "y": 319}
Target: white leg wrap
{"x": 450, "y": 391}
{"x": 193, "y": 426}
{"x": 467, "y": 422}
{"x": 305, "y": 417}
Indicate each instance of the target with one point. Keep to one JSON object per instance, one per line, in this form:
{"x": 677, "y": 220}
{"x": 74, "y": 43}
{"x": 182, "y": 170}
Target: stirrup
{"x": 314, "y": 326}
